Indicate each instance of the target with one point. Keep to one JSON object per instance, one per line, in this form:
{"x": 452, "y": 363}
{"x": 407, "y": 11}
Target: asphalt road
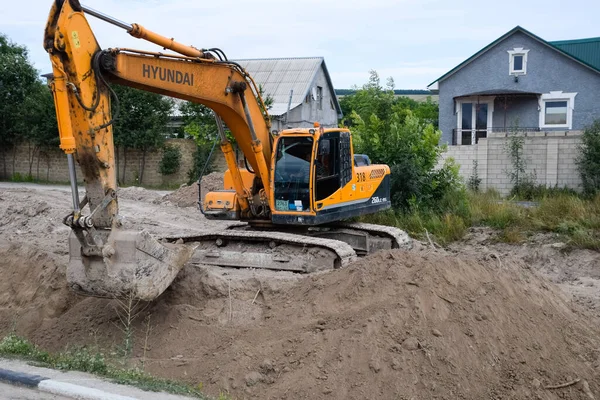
{"x": 11, "y": 392}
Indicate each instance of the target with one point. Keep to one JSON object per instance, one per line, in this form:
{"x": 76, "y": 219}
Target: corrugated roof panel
{"x": 586, "y": 50}
{"x": 278, "y": 76}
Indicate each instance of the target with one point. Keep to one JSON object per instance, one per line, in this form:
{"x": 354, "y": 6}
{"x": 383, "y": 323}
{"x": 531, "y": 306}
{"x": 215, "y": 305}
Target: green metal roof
{"x": 584, "y": 51}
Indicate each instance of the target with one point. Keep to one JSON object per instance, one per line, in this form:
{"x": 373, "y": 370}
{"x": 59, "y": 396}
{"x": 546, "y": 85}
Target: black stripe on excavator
{"x": 75, "y": 5}
{"x": 378, "y": 202}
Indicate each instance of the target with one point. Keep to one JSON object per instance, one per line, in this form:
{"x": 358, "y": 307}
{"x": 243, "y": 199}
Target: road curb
{"x": 57, "y": 387}
{"x": 20, "y": 378}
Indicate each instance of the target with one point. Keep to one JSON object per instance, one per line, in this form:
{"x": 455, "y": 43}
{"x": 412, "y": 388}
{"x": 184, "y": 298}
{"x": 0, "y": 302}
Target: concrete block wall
{"x": 551, "y": 159}
{"x": 51, "y": 165}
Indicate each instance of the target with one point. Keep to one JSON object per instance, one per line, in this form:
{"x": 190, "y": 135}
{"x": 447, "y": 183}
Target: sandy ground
{"x": 477, "y": 320}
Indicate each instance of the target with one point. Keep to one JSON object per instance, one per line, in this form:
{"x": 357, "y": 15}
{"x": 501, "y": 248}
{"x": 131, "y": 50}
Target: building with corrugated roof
{"x": 301, "y": 89}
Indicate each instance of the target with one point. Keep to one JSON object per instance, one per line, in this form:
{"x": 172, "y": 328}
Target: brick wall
{"x": 550, "y": 156}
{"x": 52, "y": 165}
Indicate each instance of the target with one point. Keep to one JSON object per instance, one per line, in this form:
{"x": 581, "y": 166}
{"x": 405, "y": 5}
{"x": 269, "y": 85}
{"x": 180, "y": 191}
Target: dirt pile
{"x": 137, "y": 193}
{"x": 25, "y": 217}
{"x": 577, "y": 272}
{"x": 396, "y": 325}
{"x": 32, "y": 288}
{"x": 187, "y": 196}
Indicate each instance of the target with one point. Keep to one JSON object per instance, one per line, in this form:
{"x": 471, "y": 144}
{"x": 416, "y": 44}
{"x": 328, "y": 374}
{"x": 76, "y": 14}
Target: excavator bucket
{"x": 139, "y": 266}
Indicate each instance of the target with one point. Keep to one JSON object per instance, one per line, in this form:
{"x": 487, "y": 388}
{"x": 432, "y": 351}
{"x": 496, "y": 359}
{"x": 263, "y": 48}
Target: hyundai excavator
{"x": 290, "y": 202}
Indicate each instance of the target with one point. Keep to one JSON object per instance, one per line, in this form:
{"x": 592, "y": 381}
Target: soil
{"x": 187, "y": 196}
{"x": 478, "y": 320}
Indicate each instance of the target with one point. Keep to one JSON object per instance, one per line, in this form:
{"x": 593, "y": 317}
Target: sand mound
{"x": 395, "y": 325}
{"x": 138, "y": 194}
{"x": 187, "y": 196}
{"x": 32, "y": 288}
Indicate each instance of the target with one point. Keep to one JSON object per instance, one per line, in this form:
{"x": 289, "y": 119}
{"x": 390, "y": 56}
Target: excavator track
{"x": 269, "y": 250}
{"x": 241, "y": 246}
{"x": 399, "y": 238}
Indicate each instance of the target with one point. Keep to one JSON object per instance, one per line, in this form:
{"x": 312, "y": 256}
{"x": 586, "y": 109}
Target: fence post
{"x": 552, "y": 162}
{"x": 482, "y": 162}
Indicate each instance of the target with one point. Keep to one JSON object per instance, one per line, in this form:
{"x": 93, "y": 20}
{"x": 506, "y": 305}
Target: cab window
{"x": 292, "y": 174}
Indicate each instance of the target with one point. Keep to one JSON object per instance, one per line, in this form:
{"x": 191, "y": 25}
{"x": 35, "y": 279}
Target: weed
{"x": 512, "y": 235}
{"x": 127, "y": 310}
{"x": 146, "y": 337}
{"x": 474, "y": 181}
{"x": 488, "y": 209}
{"x": 452, "y": 228}
{"x": 13, "y": 344}
{"x": 585, "y": 239}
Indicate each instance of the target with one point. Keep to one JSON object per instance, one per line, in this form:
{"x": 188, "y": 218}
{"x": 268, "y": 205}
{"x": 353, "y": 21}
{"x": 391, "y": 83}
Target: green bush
{"x": 588, "y": 161}
{"x": 529, "y": 190}
{"x": 390, "y": 132}
{"x": 18, "y": 177}
{"x": 171, "y": 160}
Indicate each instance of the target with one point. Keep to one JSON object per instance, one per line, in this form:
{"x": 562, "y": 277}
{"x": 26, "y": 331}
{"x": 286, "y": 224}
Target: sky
{"x": 413, "y": 41}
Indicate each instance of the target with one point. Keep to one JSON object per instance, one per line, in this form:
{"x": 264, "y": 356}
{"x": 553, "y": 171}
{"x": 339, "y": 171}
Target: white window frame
{"x": 489, "y": 100}
{"x": 517, "y": 51}
{"x": 556, "y": 96}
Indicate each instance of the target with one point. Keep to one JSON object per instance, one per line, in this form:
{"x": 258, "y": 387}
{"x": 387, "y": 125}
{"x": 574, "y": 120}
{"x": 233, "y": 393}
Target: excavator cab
{"x": 316, "y": 181}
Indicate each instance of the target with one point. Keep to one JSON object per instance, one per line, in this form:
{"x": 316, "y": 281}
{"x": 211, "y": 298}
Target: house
{"x": 301, "y": 90}
{"x": 521, "y": 82}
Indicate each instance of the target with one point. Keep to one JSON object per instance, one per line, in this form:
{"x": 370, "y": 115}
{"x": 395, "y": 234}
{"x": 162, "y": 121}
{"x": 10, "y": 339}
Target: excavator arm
{"x": 105, "y": 259}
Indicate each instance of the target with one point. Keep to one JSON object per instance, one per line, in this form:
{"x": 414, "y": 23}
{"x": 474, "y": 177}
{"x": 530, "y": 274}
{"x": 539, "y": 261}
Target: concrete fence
{"x": 549, "y": 157}
{"x": 51, "y": 165}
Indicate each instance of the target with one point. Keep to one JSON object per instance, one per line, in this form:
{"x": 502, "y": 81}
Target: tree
{"x": 39, "y": 124}
{"x": 171, "y": 160}
{"x": 397, "y": 132}
{"x": 588, "y": 162}
{"x": 141, "y": 123}
{"x": 199, "y": 124}
{"x": 17, "y": 79}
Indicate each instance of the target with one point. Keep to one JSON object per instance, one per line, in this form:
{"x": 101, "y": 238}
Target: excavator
{"x": 288, "y": 207}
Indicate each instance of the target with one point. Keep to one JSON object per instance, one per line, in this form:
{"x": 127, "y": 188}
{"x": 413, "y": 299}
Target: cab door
{"x": 332, "y": 169}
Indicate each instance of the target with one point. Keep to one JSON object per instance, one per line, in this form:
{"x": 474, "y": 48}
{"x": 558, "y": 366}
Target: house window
{"x": 555, "y": 113}
{"x": 556, "y": 110}
{"x": 320, "y": 97}
{"x": 517, "y": 61}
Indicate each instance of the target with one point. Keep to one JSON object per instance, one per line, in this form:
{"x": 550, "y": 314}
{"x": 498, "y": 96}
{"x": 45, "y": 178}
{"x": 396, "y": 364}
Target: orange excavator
{"x": 291, "y": 200}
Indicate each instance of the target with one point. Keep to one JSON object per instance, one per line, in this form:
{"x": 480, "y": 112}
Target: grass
{"x": 575, "y": 219}
{"x": 96, "y": 363}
